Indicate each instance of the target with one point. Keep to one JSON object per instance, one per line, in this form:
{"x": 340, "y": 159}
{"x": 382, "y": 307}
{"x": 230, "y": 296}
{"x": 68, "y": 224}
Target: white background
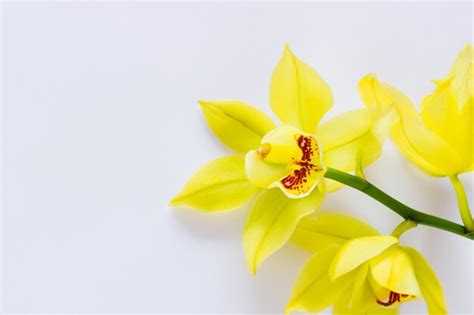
{"x": 101, "y": 128}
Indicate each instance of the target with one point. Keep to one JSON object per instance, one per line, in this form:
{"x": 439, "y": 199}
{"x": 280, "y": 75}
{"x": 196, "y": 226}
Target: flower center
{"x": 288, "y": 159}
{"x": 301, "y": 157}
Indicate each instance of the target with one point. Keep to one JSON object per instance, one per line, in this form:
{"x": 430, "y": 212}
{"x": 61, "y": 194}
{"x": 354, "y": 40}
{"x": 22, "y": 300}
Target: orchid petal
{"x": 429, "y": 284}
{"x": 219, "y": 185}
{"x": 394, "y": 271}
{"x": 462, "y": 73}
{"x": 441, "y": 114}
{"x": 313, "y": 290}
{"x": 357, "y": 251}
{"x": 298, "y": 95}
{"x": 272, "y": 219}
{"x": 322, "y": 230}
{"x": 419, "y": 144}
{"x": 238, "y": 125}
{"x": 344, "y": 128}
{"x": 425, "y": 148}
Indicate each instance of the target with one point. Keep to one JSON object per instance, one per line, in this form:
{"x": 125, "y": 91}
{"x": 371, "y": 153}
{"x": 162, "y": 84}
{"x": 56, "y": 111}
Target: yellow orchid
{"x": 283, "y": 166}
{"x": 358, "y": 271}
{"x": 439, "y": 140}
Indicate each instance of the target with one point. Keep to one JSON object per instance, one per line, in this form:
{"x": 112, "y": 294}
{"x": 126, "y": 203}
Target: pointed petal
{"x": 363, "y": 301}
{"x": 313, "y": 291}
{"x": 354, "y": 137}
{"x": 410, "y": 152}
{"x": 322, "y": 230}
{"x": 439, "y": 111}
{"x": 298, "y": 95}
{"x": 423, "y": 146}
{"x": 394, "y": 270}
{"x": 344, "y": 128}
{"x": 362, "y": 296}
{"x": 272, "y": 220}
{"x": 357, "y": 251}
{"x": 219, "y": 185}
{"x": 462, "y": 73}
{"x": 429, "y": 284}
{"x": 238, "y": 125}
{"x": 363, "y": 150}
{"x": 382, "y": 97}
{"x": 441, "y": 114}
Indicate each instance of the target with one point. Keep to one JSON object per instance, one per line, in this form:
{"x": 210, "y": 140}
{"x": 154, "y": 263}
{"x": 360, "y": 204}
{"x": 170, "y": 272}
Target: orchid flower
{"x": 439, "y": 140}
{"x": 358, "y": 271}
{"x": 282, "y": 167}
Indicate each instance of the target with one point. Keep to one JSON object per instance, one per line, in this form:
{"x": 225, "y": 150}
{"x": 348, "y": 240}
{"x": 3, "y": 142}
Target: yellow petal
{"x": 465, "y": 140}
{"x": 238, "y": 125}
{"x": 363, "y": 150}
{"x": 298, "y": 95}
{"x": 425, "y": 148}
{"x": 344, "y": 128}
{"x": 419, "y": 144}
{"x": 429, "y": 284}
{"x": 382, "y": 97}
{"x": 263, "y": 174}
{"x": 357, "y": 251}
{"x": 439, "y": 111}
{"x": 394, "y": 271}
{"x": 219, "y": 185}
{"x": 313, "y": 291}
{"x": 354, "y": 138}
{"x": 322, "y": 230}
{"x": 272, "y": 220}
{"x": 462, "y": 74}
{"x": 411, "y": 153}
{"x": 441, "y": 114}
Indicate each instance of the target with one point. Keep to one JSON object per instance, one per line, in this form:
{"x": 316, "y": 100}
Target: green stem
{"x": 401, "y": 209}
{"x": 403, "y": 227}
{"x": 462, "y": 202}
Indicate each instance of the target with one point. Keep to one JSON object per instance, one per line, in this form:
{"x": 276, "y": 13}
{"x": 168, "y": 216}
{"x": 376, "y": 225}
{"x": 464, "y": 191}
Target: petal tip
{"x": 203, "y": 103}
{"x": 175, "y": 201}
{"x": 287, "y": 50}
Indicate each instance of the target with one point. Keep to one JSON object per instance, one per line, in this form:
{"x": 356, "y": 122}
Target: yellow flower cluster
{"x": 281, "y": 169}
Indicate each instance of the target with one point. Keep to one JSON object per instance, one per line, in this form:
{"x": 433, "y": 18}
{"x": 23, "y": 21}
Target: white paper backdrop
{"x": 101, "y": 128}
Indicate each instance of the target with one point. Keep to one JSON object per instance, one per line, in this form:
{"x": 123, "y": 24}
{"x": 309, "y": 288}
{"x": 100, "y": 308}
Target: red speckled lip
{"x": 297, "y": 181}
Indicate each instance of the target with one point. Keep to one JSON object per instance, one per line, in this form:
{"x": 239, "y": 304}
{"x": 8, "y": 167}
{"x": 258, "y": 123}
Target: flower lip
{"x": 289, "y": 159}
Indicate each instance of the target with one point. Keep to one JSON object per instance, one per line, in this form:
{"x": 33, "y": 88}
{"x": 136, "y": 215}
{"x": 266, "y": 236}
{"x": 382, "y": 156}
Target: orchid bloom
{"x": 358, "y": 271}
{"x": 440, "y": 139}
{"x": 283, "y": 166}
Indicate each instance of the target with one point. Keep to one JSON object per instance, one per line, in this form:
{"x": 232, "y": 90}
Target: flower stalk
{"x": 464, "y": 210}
{"x": 403, "y": 227}
{"x": 401, "y": 209}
